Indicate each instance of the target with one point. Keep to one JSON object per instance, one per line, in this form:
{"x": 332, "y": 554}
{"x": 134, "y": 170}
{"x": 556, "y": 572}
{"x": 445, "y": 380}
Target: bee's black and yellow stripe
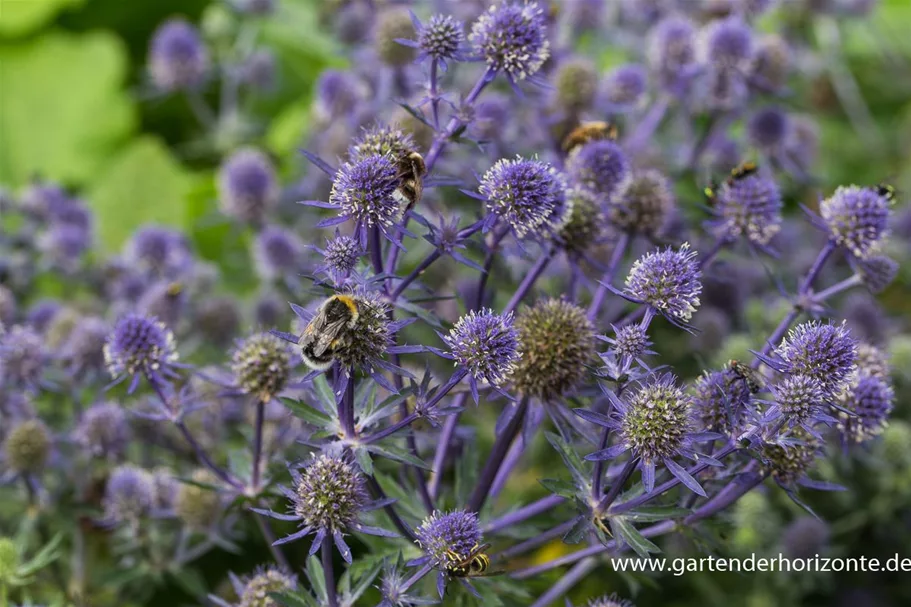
{"x": 476, "y": 563}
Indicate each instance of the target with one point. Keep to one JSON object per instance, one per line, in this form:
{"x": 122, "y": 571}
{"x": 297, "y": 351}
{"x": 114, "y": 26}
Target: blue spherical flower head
{"x": 104, "y": 431}
{"x": 160, "y": 251}
{"x": 672, "y": 53}
{"x": 140, "y": 345}
{"x": 337, "y": 94}
{"x": 656, "y": 424}
{"x": 363, "y": 190}
{"x": 599, "y": 166}
{"x": 800, "y": 399}
{"x": 748, "y": 207}
{"x": 721, "y": 401}
{"x": 727, "y": 44}
{"x": 824, "y": 352}
{"x": 277, "y": 252}
{"x": 512, "y": 38}
{"x": 630, "y": 341}
{"x": 328, "y": 498}
{"x": 22, "y": 358}
{"x": 856, "y": 218}
{"x": 769, "y": 129}
{"x": 177, "y": 57}
{"x": 340, "y": 257}
{"x": 486, "y": 345}
{"x": 623, "y": 87}
{"x": 869, "y": 399}
{"x": 667, "y": 281}
{"x": 382, "y": 140}
{"x": 529, "y": 195}
{"x": 129, "y": 495}
{"x": 441, "y": 39}
{"x": 446, "y": 539}
{"x": 876, "y": 272}
{"x": 247, "y": 186}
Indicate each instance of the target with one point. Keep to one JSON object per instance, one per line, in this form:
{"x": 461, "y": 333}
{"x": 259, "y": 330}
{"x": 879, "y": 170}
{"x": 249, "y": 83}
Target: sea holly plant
{"x": 497, "y": 328}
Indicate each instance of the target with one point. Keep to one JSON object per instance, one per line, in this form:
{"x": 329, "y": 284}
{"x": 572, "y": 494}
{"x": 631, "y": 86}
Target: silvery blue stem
{"x": 444, "y": 445}
{"x": 739, "y": 486}
{"x": 326, "y": 553}
{"x": 405, "y": 282}
{"x": 617, "y": 485}
{"x": 844, "y": 285}
{"x": 488, "y": 264}
{"x": 380, "y": 495}
{"x": 609, "y": 273}
{"x": 572, "y": 577}
{"x": 530, "y": 278}
{"x": 495, "y": 459}
{"x": 524, "y": 513}
{"x": 257, "y": 445}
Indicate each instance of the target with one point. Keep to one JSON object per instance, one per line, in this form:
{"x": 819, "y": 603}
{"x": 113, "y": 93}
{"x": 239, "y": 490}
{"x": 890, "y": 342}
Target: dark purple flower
{"x": 261, "y": 365}
{"x": 258, "y": 71}
{"x": 440, "y": 39}
{"x": 129, "y": 494}
{"x": 824, "y": 352}
{"x": 247, "y": 186}
{"x": 177, "y": 56}
{"x": 340, "y": 257}
{"x": 769, "y": 128}
{"x": 599, "y": 166}
{"x": 83, "y": 349}
{"x": 857, "y": 218}
{"x": 363, "y": 190}
{"x": 876, "y": 271}
{"x": 529, "y": 195}
{"x": 672, "y": 53}
{"x": 40, "y": 315}
{"x": 720, "y": 401}
{"x": 139, "y": 345}
{"x": 800, "y": 399}
{"x": 512, "y": 38}
{"x": 103, "y": 430}
{"x": 644, "y": 205}
{"x": 623, "y": 87}
{"x": 65, "y": 244}
{"x": 444, "y": 536}
{"x": 748, "y": 207}
{"x": 667, "y": 281}
{"x": 338, "y": 93}
{"x": 870, "y": 400}
{"x": 277, "y": 253}
{"x": 727, "y": 44}
{"x": 162, "y": 251}
{"x": 22, "y": 357}
{"x": 487, "y": 345}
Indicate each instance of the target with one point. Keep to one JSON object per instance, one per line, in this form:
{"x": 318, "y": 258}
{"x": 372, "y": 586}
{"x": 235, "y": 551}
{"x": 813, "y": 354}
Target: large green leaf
{"x": 63, "y": 111}
{"x": 18, "y": 17}
{"x": 144, "y": 184}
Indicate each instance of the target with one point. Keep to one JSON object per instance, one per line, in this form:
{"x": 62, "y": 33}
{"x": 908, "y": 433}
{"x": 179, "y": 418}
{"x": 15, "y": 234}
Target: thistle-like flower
{"x": 824, "y": 352}
{"x": 585, "y": 226}
{"x": 872, "y": 361}
{"x": 441, "y": 39}
{"x": 557, "y": 341}
{"x": 856, "y": 218}
{"x": 27, "y": 446}
{"x": 83, "y": 349}
{"x": 788, "y": 460}
{"x": 327, "y": 499}
{"x": 869, "y": 399}
{"x": 340, "y": 257}
{"x": 644, "y": 205}
{"x": 392, "y": 26}
{"x": 667, "y": 281}
{"x": 177, "y": 57}
{"x": 104, "y": 431}
{"x": 720, "y": 401}
{"x": 672, "y": 53}
{"x": 610, "y": 600}
{"x": 140, "y": 345}
{"x": 160, "y": 251}
{"x": 277, "y": 252}
{"x": 512, "y": 38}
{"x": 623, "y": 87}
{"x": 261, "y": 365}
{"x": 656, "y": 424}
{"x": 22, "y": 357}
{"x": 876, "y": 272}
{"x": 363, "y": 191}
{"x": 749, "y": 207}
{"x": 769, "y": 129}
{"x": 446, "y": 539}
{"x": 486, "y": 345}
{"x": 800, "y": 399}
{"x": 529, "y": 195}
{"x": 381, "y": 140}
{"x": 575, "y": 83}
{"x": 599, "y": 166}
{"x": 129, "y": 495}
{"x": 630, "y": 341}
{"x": 247, "y": 186}
{"x": 727, "y": 44}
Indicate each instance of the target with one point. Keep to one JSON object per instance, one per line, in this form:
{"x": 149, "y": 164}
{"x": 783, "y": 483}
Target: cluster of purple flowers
{"x": 523, "y": 307}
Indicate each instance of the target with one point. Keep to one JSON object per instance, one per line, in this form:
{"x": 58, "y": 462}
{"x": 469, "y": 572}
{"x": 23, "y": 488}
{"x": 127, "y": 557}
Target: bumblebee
{"x": 886, "y": 191}
{"x": 748, "y": 374}
{"x": 589, "y": 131}
{"x": 328, "y": 330}
{"x": 475, "y": 564}
{"x": 744, "y": 169}
{"x": 411, "y": 173}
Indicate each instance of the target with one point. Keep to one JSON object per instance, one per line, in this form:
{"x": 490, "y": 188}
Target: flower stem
{"x": 537, "y": 540}
{"x": 817, "y": 267}
{"x": 524, "y": 513}
{"x": 572, "y": 577}
{"x": 533, "y": 274}
{"x": 376, "y": 256}
{"x": 617, "y": 486}
{"x": 326, "y": 551}
{"x": 488, "y": 264}
{"x": 257, "y": 445}
{"x": 495, "y": 459}
{"x": 844, "y": 285}
{"x": 608, "y": 276}
{"x": 730, "y": 493}
{"x": 266, "y": 530}
{"x": 405, "y": 282}
{"x": 390, "y": 510}
{"x": 443, "y": 446}
{"x": 455, "y": 122}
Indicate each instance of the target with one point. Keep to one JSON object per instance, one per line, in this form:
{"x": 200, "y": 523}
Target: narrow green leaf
{"x": 625, "y": 531}
{"x": 397, "y": 454}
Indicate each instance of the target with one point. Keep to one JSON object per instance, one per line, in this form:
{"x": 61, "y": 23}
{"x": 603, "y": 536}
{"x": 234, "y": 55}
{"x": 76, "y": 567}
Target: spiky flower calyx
{"x": 27, "y": 446}
{"x": 262, "y": 365}
{"x": 447, "y": 536}
{"x": 195, "y": 505}
{"x": 139, "y": 344}
{"x": 798, "y": 397}
{"x": 330, "y": 494}
{"x": 644, "y": 205}
{"x": 441, "y": 38}
{"x": 381, "y": 140}
{"x": 750, "y": 207}
{"x": 557, "y": 341}
{"x": 720, "y": 400}
{"x": 786, "y": 462}
{"x": 512, "y": 38}
{"x": 486, "y": 344}
{"x": 657, "y": 419}
{"x": 857, "y": 218}
{"x": 585, "y": 225}
{"x": 342, "y": 255}
{"x": 529, "y": 195}
{"x": 631, "y": 341}
{"x": 822, "y": 351}
{"x": 257, "y": 588}
{"x": 668, "y": 281}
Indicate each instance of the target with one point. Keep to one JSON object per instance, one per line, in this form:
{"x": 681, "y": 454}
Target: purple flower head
{"x": 440, "y": 39}
{"x": 667, "y": 281}
{"x": 257, "y": 588}
{"x": 772, "y": 61}
{"x": 631, "y": 341}
{"x": 805, "y": 538}
{"x": 159, "y": 250}
{"x": 769, "y": 128}
{"x": 381, "y": 140}
{"x": 444, "y": 536}
{"x": 599, "y": 166}
{"x": 129, "y": 494}
{"x": 492, "y": 115}
{"x": 165, "y": 488}
{"x": 363, "y": 190}
{"x": 83, "y": 349}
{"x": 338, "y": 93}
{"x": 512, "y": 38}
{"x": 856, "y": 218}
{"x": 610, "y": 600}
{"x": 720, "y": 401}
{"x": 486, "y": 345}
{"x": 166, "y": 300}
{"x": 876, "y": 271}
{"x": 42, "y": 199}
{"x": 277, "y": 252}
{"x": 64, "y": 244}
{"x": 259, "y": 70}
{"x": 104, "y": 431}
{"x": 177, "y": 56}
{"x": 799, "y": 399}
{"x": 824, "y": 352}
{"x": 27, "y": 446}
{"x": 583, "y": 15}
{"x": 247, "y": 186}
{"x": 340, "y": 257}
{"x": 787, "y": 461}
{"x": 393, "y": 25}
{"x": 261, "y": 365}
{"x": 217, "y": 319}
{"x": 623, "y": 87}
{"x": 644, "y": 205}
{"x": 723, "y": 89}
{"x": 748, "y": 207}
{"x": 575, "y": 84}
{"x": 529, "y": 195}
{"x": 870, "y": 399}
{"x": 8, "y": 307}
{"x": 139, "y": 345}
{"x": 22, "y": 358}
{"x": 672, "y": 53}
{"x": 40, "y": 315}
{"x": 727, "y": 44}
{"x": 872, "y": 361}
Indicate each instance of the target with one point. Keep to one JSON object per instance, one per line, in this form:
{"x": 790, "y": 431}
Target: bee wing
{"x": 327, "y": 337}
